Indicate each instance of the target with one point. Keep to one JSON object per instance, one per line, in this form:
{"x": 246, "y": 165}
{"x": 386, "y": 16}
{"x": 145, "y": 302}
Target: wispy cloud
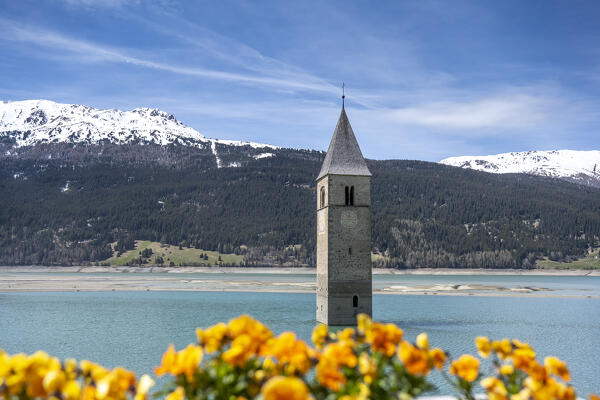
{"x": 95, "y": 52}
{"x": 501, "y": 111}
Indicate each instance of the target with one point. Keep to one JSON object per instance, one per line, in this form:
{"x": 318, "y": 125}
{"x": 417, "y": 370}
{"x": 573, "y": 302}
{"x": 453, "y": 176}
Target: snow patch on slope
{"x": 31, "y": 122}
{"x": 576, "y": 165}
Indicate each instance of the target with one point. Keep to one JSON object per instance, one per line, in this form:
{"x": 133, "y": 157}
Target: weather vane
{"x": 343, "y": 94}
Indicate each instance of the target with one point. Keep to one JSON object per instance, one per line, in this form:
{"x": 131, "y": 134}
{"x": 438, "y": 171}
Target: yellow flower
{"x": 54, "y": 381}
{"x": 523, "y": 358}
{"x": 212, "y": 338}
{"x": 329, "y": 374}
{"x": 521, "y": 345}
{"x": 188, "y": 360}
{"x": 292, "y": 354}
{"x": 345, "y": 334}
{"x": 367, "y": 367}
{"x": 334, "y": 356}
{"x": 438, "y": 358}
{"x": 242, "y": 348}
{"x": 167, "y": 364}
{"x": 466, "y": 367}
{"x": 384, "y": 337}
{"x": 423, "y": 341}
{"x": 495, "y": 388}
{"x": 115, "y": 384}
{"x": 285, "y": 388}
{"x": 319, "y": 335}
{"x": 557, "y": 367}
{"x": 364, "y": 323}
{"x": 414, "y": 359}
{"x": 177, "y": 394}
{"x": 483, "y": 346}
{"x": 246, "y": 325}
{"x": 502, "y": 347}
{"x": 594, "y": 397}
{"x": 524, "y": 394}
{"x": 143, "y": 387}
{"x": 506, "y": 369}
{"x": 185, "y": 361}
{"x": 71, "y": 390}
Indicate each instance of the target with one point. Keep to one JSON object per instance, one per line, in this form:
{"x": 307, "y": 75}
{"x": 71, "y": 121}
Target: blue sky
{"x": 425, "y": 79}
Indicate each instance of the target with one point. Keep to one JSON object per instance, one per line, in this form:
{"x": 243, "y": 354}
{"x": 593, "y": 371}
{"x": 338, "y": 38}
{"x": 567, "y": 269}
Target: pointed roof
{"x": 344, "y": 156}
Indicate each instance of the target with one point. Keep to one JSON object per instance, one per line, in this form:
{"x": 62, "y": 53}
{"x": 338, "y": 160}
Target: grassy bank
{"x": 591, "y": 261}
{"x": 172, "y": 255}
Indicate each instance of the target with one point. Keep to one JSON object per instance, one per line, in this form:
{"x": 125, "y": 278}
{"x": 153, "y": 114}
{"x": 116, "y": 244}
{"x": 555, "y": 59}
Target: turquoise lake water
{"x": 134, "y": 328}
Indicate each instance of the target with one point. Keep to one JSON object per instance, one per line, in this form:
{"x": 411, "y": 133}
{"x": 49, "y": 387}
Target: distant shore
{"x": 279, "y": 280}
{"x": 293, "y": 270}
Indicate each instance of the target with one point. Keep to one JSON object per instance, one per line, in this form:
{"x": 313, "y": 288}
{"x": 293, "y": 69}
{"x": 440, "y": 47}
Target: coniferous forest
{"x": 74, "y": 205}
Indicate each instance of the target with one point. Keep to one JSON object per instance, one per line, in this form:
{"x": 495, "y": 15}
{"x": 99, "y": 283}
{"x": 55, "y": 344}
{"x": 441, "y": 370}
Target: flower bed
{"x": 243, "y": 360}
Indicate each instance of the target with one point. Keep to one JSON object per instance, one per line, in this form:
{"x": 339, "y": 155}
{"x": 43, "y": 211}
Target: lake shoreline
{"x": 292, "y": 270}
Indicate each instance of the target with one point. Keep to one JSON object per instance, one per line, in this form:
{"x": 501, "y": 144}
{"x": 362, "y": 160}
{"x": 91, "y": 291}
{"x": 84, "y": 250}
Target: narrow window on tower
{"x": 349, "y": 251}
{"x": 355, "y": 301}
{"x": 351, "y": 195}
{"x": 322, "y": 196}
{"x": 347, "y": 195}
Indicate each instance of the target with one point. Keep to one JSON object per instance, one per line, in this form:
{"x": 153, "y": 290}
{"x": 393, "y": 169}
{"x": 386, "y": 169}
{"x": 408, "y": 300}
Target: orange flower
{"x": 414, "y": 359}
{"x": 594, "y": 397}
{"x": 285, "y": 388}
{"x": 523, "y": 358}
{"x": 438, "y": 358}
{"x": 294, "y": 355}
{"x": 557, "y": 367}
{"x": 466, "y": 367}
{"x": 384, "y": 338}
{"x": 483, "y": 346}
{"x": 334, "y": 356}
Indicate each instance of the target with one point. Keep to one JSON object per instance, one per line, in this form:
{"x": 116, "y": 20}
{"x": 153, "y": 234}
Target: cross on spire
{"x": 343, "y": 94}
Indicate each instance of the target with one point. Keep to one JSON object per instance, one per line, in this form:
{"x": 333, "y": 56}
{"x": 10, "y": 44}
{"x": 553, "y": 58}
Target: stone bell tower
{"x": 344, "y": 274}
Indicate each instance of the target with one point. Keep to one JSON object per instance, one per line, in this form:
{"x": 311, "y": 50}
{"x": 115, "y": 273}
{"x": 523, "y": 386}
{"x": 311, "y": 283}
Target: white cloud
{"x": 512, "y": 110}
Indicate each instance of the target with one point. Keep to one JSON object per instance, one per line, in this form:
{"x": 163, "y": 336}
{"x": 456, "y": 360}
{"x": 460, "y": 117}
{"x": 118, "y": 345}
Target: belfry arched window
{"x": 322, "y": 196}
{"x": 347, "y": 192}
{"x": 351, "y": 195}
{"x": 355, "y": 301}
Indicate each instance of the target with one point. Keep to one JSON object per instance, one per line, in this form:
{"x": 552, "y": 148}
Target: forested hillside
{"x": 69, "y": 204}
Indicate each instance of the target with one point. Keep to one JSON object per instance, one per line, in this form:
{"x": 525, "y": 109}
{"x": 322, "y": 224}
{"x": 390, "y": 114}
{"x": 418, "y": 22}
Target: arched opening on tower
{"x": 322, "y": 196}
{"x": 347, "y": 192}
{"x": 355, "y": 301}
{"x": 351, "y": 195}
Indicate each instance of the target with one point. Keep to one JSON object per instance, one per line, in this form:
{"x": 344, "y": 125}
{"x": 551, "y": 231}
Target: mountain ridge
{"x": 577, "y": 166}
{"x": 33, "y": 122}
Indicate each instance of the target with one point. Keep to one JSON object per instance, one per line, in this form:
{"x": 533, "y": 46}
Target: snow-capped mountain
{"x": 577, "y": 166}
{"x": 31, "y": 122}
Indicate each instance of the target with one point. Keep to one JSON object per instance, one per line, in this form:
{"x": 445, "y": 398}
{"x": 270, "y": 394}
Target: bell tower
{"x": 344, "y": 273}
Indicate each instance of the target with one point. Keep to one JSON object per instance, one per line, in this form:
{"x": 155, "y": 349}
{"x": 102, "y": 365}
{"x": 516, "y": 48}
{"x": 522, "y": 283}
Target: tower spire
{"x": 343, "y": 94}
